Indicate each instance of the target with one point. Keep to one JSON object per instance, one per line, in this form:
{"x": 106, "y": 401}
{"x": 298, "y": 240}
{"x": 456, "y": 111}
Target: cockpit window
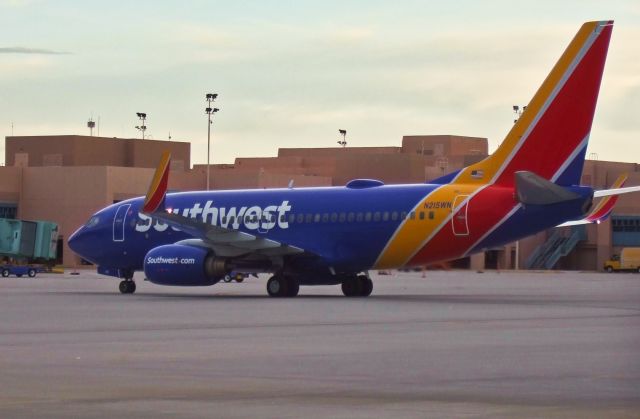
{"x": 93, "y": 221}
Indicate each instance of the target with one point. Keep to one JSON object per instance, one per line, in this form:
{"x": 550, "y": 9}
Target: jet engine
{"x": 176, "y": 264}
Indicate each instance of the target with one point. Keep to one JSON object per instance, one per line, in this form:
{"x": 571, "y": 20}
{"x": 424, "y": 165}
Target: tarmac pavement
{"x": 453, "y": 344}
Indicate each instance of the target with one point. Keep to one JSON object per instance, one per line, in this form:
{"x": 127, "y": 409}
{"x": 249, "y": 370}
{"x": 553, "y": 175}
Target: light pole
{"x": 142, "y": 128}
{"x": 343, "y": 132}
{"x": 211, "y": 97}
{"x": 518, "y": 111}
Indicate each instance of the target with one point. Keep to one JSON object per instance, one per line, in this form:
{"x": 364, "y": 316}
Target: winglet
{"x": 602, "y": 211}
{"x": 158, "y": 187}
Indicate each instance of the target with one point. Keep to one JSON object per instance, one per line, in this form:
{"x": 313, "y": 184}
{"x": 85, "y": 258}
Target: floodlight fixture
{"x": 210, "y": 97}
{"x": 343, "y": 132}
{"x": 142, "y": 128}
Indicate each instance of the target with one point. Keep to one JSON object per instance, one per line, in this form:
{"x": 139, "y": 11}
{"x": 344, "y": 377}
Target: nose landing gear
{"x": 127, "y": 286}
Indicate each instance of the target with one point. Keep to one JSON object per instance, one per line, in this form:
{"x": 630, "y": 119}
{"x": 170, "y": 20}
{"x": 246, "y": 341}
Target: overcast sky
{"x": 291, "y": 73}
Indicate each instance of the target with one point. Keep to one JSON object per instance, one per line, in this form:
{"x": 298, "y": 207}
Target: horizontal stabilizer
{"x": 604, "y": 208}
{"x": 532, "y": 189}
{"x": 616, "y": 191}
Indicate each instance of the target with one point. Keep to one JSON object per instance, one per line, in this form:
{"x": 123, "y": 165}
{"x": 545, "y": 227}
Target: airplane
{"x": 336, "y": 235}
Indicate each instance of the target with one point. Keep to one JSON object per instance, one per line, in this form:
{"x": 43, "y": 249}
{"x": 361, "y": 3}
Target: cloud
{"x": 23, "y": 50}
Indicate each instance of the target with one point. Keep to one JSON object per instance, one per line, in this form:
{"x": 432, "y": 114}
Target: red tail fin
{"x": 550, "y": 138}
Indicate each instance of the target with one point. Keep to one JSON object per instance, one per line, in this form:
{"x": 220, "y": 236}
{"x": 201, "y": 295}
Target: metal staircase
{"x": 560, "y": 244}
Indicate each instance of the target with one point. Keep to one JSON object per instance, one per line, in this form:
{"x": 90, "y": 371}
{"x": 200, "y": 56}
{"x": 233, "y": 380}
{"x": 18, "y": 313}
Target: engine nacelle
{"x": 175, "y": 264}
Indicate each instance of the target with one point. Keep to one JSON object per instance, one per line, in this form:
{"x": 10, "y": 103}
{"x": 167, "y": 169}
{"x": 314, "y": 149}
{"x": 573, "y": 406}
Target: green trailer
{"x": 33, "y": 240}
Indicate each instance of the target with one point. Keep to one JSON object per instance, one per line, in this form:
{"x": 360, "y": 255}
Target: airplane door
{"x": 459, "y": 221}
{"x": 118, "y": 222}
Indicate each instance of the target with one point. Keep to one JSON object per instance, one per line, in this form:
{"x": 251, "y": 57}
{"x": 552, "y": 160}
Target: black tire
{"x": 277, "y": 286}
{"x": 239, "y": 278}
{"x": 31, "y": 273}
{"x": 227, "y": 278}
{"x": 352, "y": 287}
{"x": 123, "y": 287}
{"x": 5, "y": 273}
{"x": 19, "y": 275}
{"x": 609, "y": 269}
{"x": 366, "y": 286}
{"x": 132, "y": 287}
{"x": 293, "y": 287}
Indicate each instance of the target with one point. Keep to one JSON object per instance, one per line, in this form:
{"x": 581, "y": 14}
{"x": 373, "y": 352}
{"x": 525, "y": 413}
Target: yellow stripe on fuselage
{"x": 413, "y": 233}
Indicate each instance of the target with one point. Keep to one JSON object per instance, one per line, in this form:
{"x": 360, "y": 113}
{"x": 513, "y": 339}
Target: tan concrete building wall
{"x": 10, "y": 184}
{"x": 332, "y": 151}
{"x": 64, "y": 195}
{"x": 80, "y": 150}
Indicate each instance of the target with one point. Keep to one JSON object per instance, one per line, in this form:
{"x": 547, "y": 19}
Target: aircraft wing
{"x": 224, "y": 241}
{"x": 610, "y": 197}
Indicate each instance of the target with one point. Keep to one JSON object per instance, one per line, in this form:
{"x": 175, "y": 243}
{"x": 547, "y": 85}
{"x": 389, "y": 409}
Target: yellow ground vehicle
{"x": 628, "y": 260}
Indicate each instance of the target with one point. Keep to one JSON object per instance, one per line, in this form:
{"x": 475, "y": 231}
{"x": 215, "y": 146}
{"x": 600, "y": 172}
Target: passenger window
{"x": 412, "y": 215}
{"x": 403, "y": 215}
{"x": 359, "y": 217}
{"x": 376, "y": 216}
{"x": 394, "y": 216}
{"x": 334, "y": 217}
{"x": 292, "y": 218}
{"x": 309, "y": 218}
{"x": 367, "y": 216}
{"x": 224, "y": 220}
{"x": 351, "y": 217}
{"x": 300, "y": 218}
{"x": 316, "y": 218}
{"x": 325, "y": 218}
{"x": 342, "y": 217}
{"x": 385, "y": 216}
{"x": 422, "y": 215}
{"x": 431, "y": 215}
{"x": 232, "y": 218}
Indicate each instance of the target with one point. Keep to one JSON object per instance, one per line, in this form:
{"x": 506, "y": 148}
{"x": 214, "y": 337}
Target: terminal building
{"x": 66, "y": 178}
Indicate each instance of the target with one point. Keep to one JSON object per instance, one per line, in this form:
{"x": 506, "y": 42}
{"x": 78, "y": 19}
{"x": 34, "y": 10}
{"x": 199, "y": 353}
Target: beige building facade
{"x": 65, "y": 179}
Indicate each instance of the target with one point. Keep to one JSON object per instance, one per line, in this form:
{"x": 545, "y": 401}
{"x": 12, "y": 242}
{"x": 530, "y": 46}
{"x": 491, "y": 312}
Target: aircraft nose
{"x": 75, "y": 240}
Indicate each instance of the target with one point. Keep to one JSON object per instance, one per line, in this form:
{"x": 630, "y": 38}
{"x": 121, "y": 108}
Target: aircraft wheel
{"x": 293, "y": 287}
{"x": 609, "y": 269}
{"x": 277, "y": 286}
{"x": 127, "y": 287}
{"x": 366, "y": 286}
{"x": 31, "y": 273}
{"x": 5, "y": 273}
{"x": 239, "y": 278}
{"x": 352, "y": 286}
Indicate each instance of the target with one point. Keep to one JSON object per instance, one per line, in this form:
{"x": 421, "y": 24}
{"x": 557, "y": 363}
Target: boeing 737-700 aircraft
{"x": 334, "y": 235}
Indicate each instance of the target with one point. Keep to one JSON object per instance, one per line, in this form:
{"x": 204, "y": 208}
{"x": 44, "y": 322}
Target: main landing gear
{"x": 357, "y": 286}
{"x": 282, "y": 286}
{"x": 127, "y": 286}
